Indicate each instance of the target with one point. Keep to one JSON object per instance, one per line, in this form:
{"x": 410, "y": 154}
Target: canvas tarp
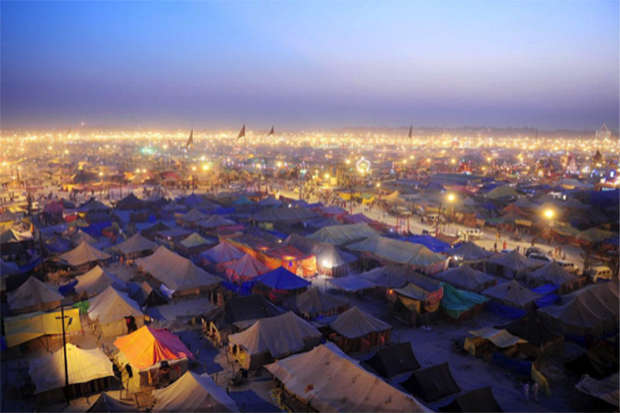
{"x": 432, "y": 383}
{"x": 194, "y": 240}
{"x": 281, "y": 336}
{"x": 193, "y": 216}
{"x": 246, "y": 268}
{"x": 343, "y": 234}
{"x": 531, "y": 328}
{"x": 107, "y": 404}
{"x": 399, "y": 252}
{"x": 499, "y": 337}
{"x": 193, "y": 393}
{"x": 455, "y": 301}
{"x": 606, "y": 389}
{"x": 282, "y": 279}
{"x": 466, "y": 278}
{"x": 176, "y": 272}
{"x": 84, "y": 253}
{"x": 147, "y": 346}
{"x": 393, "y": 360}
{"x": 512, "y": 294}
{"x": 329, "y": 381}
{"x": 356, "y": 323}
{"x": 470, "y": 252}
{"x": 33, "y": 294}
{"x": 313, "y": 302}
{"x": 136, "y": 244}
{"x": 480, "y": 400}
{"x": 111, "y": 306}
{"x": 96, "y": 281}
{"x": 29, "y": 326}
{"x": 222, "y": 253}
{"x": 83, "y": 365}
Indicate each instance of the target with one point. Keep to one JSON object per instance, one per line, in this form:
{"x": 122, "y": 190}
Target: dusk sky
{"x": 310, "y": 65}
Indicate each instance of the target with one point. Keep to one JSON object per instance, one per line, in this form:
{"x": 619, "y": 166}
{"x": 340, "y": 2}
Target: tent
{"x": 193, "y": 393}
{"x": 136, "y": 246}
{"x": 513, "y": 294}
{"x": 513, "y": 264}
{"x": 107, "y": 404}
{"x": 597, "y": 362}
{"x": 500, "y": 338}
{"x": 353, "y": 283}
{"x": 83, "y": 254}
{"x": 532, "y": 329}
{"x": 93, "y": 205}
{"x": 273, "y": 338}
{"x": 470, "y": 252}
{"x": 314, "y": 303}
{"x": 96, "y": 281}
{"x": 461, "y": 304}
{"x": 32, "y": 296}
{"x": 432, "y": 383}
{"x": 357, "y": 331}
{"x": 606, "y": 389}
{"x": 552, "y": 273}
{"x": 115, "y": 312}
{"x": 194, "y": 244}
{"x": 86, "y": 368}
{"x": 214, "y": 222}
{"x": 245, "y": 269}
{"x": 222, "y": 253}
{"x": 290, "y": 257}
{"x": 79, "y": 237}
{"x": 26, "y": 327}
{"x": 480, "y": 400}
{"x": 393, "y": 360}
{"x": 177, "y": 273}
{"x": 150, "y": 232}
{"x": 466, "y": 278}
{"x": 338, "y": 384}
{"x": 282, "y": 279}
{"x": 192, "y": 217}
{"x": 502, "y": 192}
{"x": 270, "y": 201}
{"x": 433, "y": 244}
{"x": 343, "y": 234}
{"x": 145, "y": 295}
{"x": 284, "y": 215}
{"x": 330, "y": 260}
{"x": 130, "y": 202}
{"x": 325, "y": 222}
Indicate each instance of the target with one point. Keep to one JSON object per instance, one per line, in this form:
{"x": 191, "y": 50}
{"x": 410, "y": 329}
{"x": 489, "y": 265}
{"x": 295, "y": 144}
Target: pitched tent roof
{"x": 356, "y": 323}
{"x": 499, "y": 337}
{"x": 281, "y": 336}
{"x": 194, "y": 216}
{"x": 136, "y": 243}
{"x": 147, "y": 346}
{"x": 597, "y": 362}
{"x": 13, "y": 236}
{"x": 339, "y": 384}
{"x": 107, "y": 404}
{"x": 112, "y": 305}
{"x": 155, "y": 228}
{"x": 480, "y": 400}
{"x": 243, "y": 200}
{"x": 282, "y": 279}
{"x": 352, "y": 283}
{"x": 247, "y": 267}
{"x": 512, "y": 293}
{"x": 326, "y": 253}
{"x": 32, "y": 293}
{"x": 84, "y": 253}
{"x": 394, "y": 277}
{"x": 145, "y": 295}
{"x": 95, "y": 205}
{"x": 399, "y": 252}
{"x": 176, "y": 272}
{"x": 215, "y": 221}
{"x": 393, "y": 360}
{"x": 503, "y": 191}
{"x": 81, "y": 237}
{"x": 343, "y": 234}
{"x": 194, "y": 240}
{"x": 515, "y": 261}
{"x": 83, "y": 365}
{"x": 531, "y": 328}
{"x": 193, "y": 393}
{"x": 223, "y": 252}
{"x": 97, "y": 280}
{"x": 326, "y": 222}
{"x": 456, "y": 301}
{"x": 247, "y": 308}
{"x": 465, "y": 277}
{"x": 292, "y": 215}
{"x": 553, "y": 273}
{"x": 270, "y": 201}
{"x": 53, "y": 208}
{"x": 432, "y": 383}
{"x": 313, "y": 301}
{"x": 605, "y": 389}
{"x": 130, "y": 202}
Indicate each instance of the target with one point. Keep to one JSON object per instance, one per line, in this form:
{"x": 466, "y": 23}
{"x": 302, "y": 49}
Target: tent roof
{"x": 194, "y": 216}
{"x": 503, "y": 191}
{"x": 339, "y": 384}
{"x": 293, "y": 215}
{"x": 97, "y": 280}
{"x": 130, "y": 202}
{"x": 136, "y": 243}
{"x": 326, "y": 253}
{"x": 111, "y": 306}
{"x": 147, "y": 346}
{"x": 281, "y": 336}
{"x": 465, "y": 277}
{"x": 313, "y": 301}
{"x": 343, "y": 234}
{"x": 83, "y": 365}
{"x": 82, "y": 254}
{"x": 270, "y": 201}
{"x": 13, "y": 236}
{"x": 107, "y": 404}
{"x": 499, "y": 337}
{"x": 553, "y": 273}
{"x": 215, "y": 221}
{"x": 396, "y": 251}
{"x": 95, "y": 205}
{"x": 531, "y": 328}
{"x": 393, "y": 360}
{"x": 352, "y": 283}
{"x": 193, "y": 393}
{"x": 512, "y": 293}
{"x": 32, "y": 293}
{"x": 430, "y": 242}
{"x": 223, "y": 252}
{"x": 432, "y": 383}
{"x": 282, "y": 279}
{"x": 176, "y": 272}
{"x": 247, "y": 308}
{"x": 515, "y": 261}
{"x": 194, "y": 240}
{"x": 597, "y": 362}
{"x": 605, "y": 389}
{"x": 480, "y": 400}
{"x": 356, "y": 323}
{"x": 247, "y": 266}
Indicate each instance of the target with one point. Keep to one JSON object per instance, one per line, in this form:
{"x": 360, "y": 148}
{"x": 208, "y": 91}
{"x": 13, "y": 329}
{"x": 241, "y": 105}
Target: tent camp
{"x": 393, "y": 360}
{"x": 194, "y": 244}
{"x": 90, "y": 370}
{"x": 135, "y": 246}
{"x": 461, "y": 305}
{"x": 107, "y": 404}
{"x": 513, "y": 294}
{"x": 83, "y": 254}
{"x": 33, "y": 296}
{"x": 480, "y": 400}
{"x": 339, "y": 384}
{"x": 432, "y": 383}
{"x": 115, "y": 312}
{"x": 193, "y": 393}
{"x": 606, "y": 389}
{"x": 244, "y": 269}
{"x": 178, "y": 274}
{"x": 145, "y": 350}
{"x": 96, "y": 281}
{"x": 470, "y": 252}
{"x": 221, "y": 254}
{"x": 330, "y": 260}
{"x": 540, "y": 337}
{"x": 555, "y": 274}
{"x": 511, "y": 265}
{"x": 343, "y": 234}
{"x": 26, "y": 327}
{"x": 314, "y": 303}
{"x": 272, "y": 338}
{"x": 356, "y": 330}
{"x": 466, "y": 278}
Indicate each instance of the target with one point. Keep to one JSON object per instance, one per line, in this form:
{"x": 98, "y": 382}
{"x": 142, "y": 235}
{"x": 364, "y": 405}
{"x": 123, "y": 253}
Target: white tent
{"x": 135, "y": 244}
{"x": 110, "y": 309}
{"x": 96, "y": 281}
{"x": 193, "y": 393}
{"x": 329, "y": 381}
{"x": 83, "y": 254}
{"x": 33, "y": 295}
{"x": 356, "y": 323}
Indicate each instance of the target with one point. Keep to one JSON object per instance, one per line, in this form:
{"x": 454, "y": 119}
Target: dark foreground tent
{"x": 470, "y": 252}
{"x": 598, "y": 362}
{"x": 480, "y": 400}
{"x": 107, "y": 404}
{"x": 130, "y": 202}
{"x": 605, "y": 390}
{"x": 314, "y": 302}
{"x": 145, "y": 295}
{"x": 466, "y": 278}
{"x": 432, "y": 383}
{"x": 394, "y": 360}
{"x": 538, "y": 335}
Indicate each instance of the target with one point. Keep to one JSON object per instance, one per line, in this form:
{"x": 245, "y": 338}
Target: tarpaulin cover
{"x": 67, "y": 288}
{"x": 313, "y": 301}
{"x": 107, "y": 404}
{"x": 96, "y": 229}
{"x": 531, "y": 328}
{"x": 430, "y": 242}
{"x": 393, "y": 360}
{"x": 503, "y": 310}
{"x": 97, "y": 280}
{"x": 500, "y": 337}
{"x": 512, "y": 294}
{"x": 547, "y": 300}
{"x": 467, "y": 278}
{"x": 545, "y": 289}
{"x": 606, "y": 389}
{"x": 456, "y": 301}
{"x": 23, "y": 328}
{"x": 396, "y": 251}
{"x": 147, "y": 346}
{"x": 552, "y": 273}
{"x": 112, "y": 305}
{"x": 282, "y": 279}
{"x": 32, "y": 293}
{"x": 356, "y": 323}
{"x": 329, "y": 381}
{"x": 432, "y": 383}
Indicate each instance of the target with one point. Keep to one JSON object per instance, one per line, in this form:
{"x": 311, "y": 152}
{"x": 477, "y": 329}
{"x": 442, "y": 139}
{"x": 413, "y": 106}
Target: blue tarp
{"x": 455, "y": 301}
{"x": 277, "y": 234}
{"x": 515, "y": 365}
{"x": 34, "y": 262}
{"x": 605, "y": 198}
{"x": 282, "y": 279}
{"x": 489, "y": 206}
{"x": 503, "y": 310}
{"x": 545, "y": 289}
{"x": 68, "y": 288}
{"x": 96, "y": 229}
{"x": 430, "y": 242}
{"x": 547, "y": 300}
{"x": 224, "y": 210}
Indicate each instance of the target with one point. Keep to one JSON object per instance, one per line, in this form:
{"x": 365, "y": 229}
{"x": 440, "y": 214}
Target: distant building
{"x": 603, "y": 133}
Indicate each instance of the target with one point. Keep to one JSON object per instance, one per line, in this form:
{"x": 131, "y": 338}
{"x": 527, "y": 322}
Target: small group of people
{"x": 530, "y": 392}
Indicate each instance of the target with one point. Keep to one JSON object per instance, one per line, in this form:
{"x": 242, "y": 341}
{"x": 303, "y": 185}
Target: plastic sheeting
{"x": 456, "y": 301}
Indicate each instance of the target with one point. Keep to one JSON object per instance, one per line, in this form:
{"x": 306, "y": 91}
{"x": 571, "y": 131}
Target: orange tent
{"x": 147, "y": 346}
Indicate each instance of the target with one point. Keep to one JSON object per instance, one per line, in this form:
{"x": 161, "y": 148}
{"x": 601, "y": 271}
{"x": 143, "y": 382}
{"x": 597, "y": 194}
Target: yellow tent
{"x": 29, "y": 326}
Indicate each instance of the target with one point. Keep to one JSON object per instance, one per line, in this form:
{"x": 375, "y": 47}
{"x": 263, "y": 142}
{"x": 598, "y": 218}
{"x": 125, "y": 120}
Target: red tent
{"x": 147, "y": 346}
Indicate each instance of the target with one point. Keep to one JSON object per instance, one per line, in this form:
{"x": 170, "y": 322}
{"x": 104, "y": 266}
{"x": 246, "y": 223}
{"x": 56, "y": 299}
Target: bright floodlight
{"x": 549, "y": 213}
{"x": 451, "y": 197}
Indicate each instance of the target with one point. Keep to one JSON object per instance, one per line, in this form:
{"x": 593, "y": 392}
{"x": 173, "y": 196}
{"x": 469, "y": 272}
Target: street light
{"x": 549, "y": 213}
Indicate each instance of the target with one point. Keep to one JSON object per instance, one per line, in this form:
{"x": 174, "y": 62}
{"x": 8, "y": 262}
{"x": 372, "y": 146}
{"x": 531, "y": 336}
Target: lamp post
{"x": 450, "y": 199}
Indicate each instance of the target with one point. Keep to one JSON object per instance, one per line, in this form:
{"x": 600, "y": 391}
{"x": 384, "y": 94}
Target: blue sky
{"x": 545, "y": 64}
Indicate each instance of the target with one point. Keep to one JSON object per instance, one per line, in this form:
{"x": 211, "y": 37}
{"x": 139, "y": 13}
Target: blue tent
{"x": 242, "y": 201}
{"x": 282, "y": 279}
{"x": 430, "y": 242}
{"x": 489, "y": 206}
{"x": 192, "y": 200}
{"x": 605, "y": 198}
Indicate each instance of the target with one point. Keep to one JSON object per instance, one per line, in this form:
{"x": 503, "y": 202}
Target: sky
{"x": 309, "y": 65}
